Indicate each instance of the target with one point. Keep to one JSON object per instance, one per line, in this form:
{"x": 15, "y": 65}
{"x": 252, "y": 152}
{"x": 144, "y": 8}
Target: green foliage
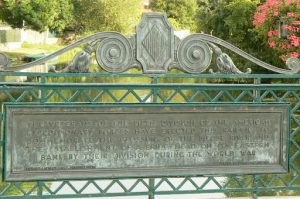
{"x": 231, "y": 20}
{"x": 211, "y": 17}
{"x": 38, "y": 15}
{"x": 102, "y": 15}
{"x": 241, "y": 33}
{"x": 182, "y": 14}
{"x": 83, "y": 16}
{"x": 239, "y": 20}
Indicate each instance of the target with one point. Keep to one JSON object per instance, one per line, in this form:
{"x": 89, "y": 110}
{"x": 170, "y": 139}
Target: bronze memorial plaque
{"x": 94, "y": 141}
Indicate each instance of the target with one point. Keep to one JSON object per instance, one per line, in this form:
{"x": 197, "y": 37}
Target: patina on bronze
{"x": 91, "y": 141}
{"x": 154, "y": 48}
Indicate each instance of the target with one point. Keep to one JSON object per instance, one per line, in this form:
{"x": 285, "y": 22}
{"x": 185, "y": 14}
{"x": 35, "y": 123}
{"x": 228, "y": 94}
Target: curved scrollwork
{"x": 293, "y": 63}
{"x": 95, "y": 37}
{"x": 154, "y": 49}
{"x": 194, "y": 55}
{"x": 114, "y": 54}
{"x": 211, "y": 39}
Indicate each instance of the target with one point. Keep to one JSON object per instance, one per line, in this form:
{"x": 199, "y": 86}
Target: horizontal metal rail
{"x": 139, "y": 75}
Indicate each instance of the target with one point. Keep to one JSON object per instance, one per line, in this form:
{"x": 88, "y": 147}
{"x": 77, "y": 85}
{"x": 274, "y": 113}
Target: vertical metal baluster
{"x": 42, "y": 92}
{"x": 257, "y": 93}
{"x": 40, "y": 189}
{"x": 2, "y": 161}
{"x": 151, "y": 188}
{"x": 255, "y": 195}
{"x": 152, "y": 180}
{"x": 155, "y": 96}
{"x": 42, "y": 96}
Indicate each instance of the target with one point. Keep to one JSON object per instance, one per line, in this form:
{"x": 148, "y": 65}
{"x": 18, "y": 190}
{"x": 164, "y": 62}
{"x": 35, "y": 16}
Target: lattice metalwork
{"x": 139, "y": 88}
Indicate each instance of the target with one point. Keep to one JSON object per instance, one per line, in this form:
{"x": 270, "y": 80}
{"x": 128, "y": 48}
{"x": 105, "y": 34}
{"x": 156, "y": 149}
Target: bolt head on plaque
{"x": 155, "y": 43}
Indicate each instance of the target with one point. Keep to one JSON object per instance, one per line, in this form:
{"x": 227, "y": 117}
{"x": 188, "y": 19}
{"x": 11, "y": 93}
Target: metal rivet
{"x": 196, "y": 54}
{"x": 113, "y": 52}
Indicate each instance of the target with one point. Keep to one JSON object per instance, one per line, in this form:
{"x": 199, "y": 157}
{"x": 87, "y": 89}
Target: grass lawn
{"x": 17, "y": 55}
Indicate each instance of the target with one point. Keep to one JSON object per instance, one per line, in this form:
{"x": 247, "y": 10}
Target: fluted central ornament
{"x": 154, "y": 43}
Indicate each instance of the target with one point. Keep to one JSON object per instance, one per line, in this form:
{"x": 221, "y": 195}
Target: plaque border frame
{"x": 280, "y": 168}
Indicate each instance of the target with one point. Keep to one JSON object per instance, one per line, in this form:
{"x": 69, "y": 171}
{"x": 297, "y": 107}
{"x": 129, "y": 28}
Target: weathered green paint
{"x": 155, "y": 50}
{"x": 41, "y": 91}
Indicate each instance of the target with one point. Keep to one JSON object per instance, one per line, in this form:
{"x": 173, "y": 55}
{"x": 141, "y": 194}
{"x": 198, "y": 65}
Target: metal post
{"x": 254, "y": 194}
{"x": 151, "y": 194}
{"x": 256, "y": 93}
{"x": 2, "y": 140}
{"x": 155, "y": 96}
{"x": 40, "y": 189}
{"x": 42, "y": 92}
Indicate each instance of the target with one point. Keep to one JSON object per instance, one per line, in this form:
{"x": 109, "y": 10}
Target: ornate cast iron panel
{"x": 154, "y": 49}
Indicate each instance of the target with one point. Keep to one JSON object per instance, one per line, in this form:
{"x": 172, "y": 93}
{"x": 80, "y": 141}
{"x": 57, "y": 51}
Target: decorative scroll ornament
{"x": 194, "y": 55}
{"x": 293, "y": 63}
{"x": 154, "y": 49}
{"x": 114, "y": 54}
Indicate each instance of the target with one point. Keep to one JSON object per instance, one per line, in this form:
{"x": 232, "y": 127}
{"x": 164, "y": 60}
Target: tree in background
{"x": 82, "y": 16}
{"x": 232, "y": 20}
{"x": 211, "y": 17}
{"x": 182, "y": 14}
{"x": 38, "y": 15}
{"x": 101, "y": 15}
{"x": 278, "y": 23}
